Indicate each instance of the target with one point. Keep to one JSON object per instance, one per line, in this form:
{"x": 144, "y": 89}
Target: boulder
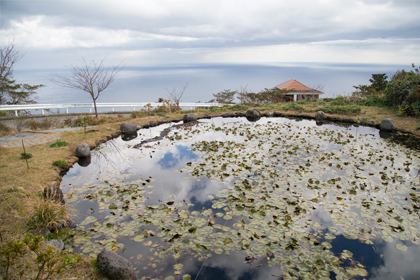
{"x": 253, "y": 115}
{"x": 56, "y": 243}
{"x": 269, "y": 114}
{"x": 190, "y": 117}
{"x": 387, "y": 125}
{"x": 54, "y": 193}
{"x": 128, "y": 128}
{"x": 320, "y": 115}
{"x": 82, "y": 150}
{"x": 115, "y": 266}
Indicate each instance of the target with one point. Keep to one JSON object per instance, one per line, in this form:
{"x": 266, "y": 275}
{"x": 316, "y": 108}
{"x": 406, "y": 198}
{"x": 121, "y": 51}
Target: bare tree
{"x": 10, "y": 91}
{"x": 176, "y": 95}
{"x": 317, "y": 87}
{"x": 92, "y": 77}
{"x": 9, "y": 56}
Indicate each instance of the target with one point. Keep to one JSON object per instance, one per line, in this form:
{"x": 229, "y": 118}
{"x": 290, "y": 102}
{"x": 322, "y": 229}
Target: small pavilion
{"x": 298, "y": 91}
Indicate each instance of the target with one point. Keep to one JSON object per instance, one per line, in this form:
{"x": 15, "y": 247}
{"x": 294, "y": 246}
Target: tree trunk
{"x": 96, "y": 109}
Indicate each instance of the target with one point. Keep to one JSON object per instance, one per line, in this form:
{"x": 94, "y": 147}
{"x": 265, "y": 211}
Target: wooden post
{"x": 23, "y": 145}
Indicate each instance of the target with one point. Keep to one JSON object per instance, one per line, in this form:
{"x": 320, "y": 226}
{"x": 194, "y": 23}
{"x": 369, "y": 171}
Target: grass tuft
{"x": 49, "y": 214}
{"x": 60, "y": 163}
{"x": 25, "y": 155}
{"x": 59, "y": 143}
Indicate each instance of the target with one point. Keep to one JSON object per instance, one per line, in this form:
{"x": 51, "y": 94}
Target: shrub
{"x": 31, "y": 250}
{"x": 19, "y": 123}
{"x": 412, "y": 109}
{"x": 60, "y": 163}
{"x": 25, "y": 155}
{"x": 340, "y": 101}
{"x": 32, "y": 124}
{"x": 374, "y": 100}
{"x": 68, "y": 122}
{"x": 58, "y": 143}
{"x": 138, "y": 114}
{"x": 88, "y": 120}
{"x": 5, "y": 130}
{"x": 45, "y": 124}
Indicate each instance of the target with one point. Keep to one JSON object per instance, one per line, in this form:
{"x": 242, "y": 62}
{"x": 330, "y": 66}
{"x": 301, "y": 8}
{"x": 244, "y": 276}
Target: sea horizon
{"x": 149, "y": 83}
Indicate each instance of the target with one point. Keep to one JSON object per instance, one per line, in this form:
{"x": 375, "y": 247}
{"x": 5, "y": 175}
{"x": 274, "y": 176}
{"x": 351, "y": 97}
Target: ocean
{"x": 149, "y": 83}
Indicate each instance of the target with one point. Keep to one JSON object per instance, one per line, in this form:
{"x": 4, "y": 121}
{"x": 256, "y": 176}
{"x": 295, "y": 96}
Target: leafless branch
{"x": 175, "y": 96}
{"x": 92, "y": 77}
{"x": 9, "y": 56}
{"x": 318, "y": 87}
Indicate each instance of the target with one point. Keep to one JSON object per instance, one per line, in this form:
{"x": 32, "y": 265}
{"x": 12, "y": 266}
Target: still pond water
{"x": 233, "y": 199}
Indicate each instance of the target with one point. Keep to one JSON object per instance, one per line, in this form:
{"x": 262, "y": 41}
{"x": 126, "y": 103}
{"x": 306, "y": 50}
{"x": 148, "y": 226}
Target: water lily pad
{"x": 401, "y": 247}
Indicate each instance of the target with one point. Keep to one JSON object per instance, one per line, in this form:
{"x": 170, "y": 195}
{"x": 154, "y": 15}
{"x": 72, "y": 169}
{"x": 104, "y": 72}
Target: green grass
{"x": 345, "y": 110}
{"x": 59, "y": 143}
{"x": 25, "y": 155}
{"x": 60, "y": 163}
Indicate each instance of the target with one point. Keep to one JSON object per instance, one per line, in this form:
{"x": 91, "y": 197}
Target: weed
{"x": 59, "y": 143}
{"x": 60, "y": 163}
{"x": 25, "y": 155}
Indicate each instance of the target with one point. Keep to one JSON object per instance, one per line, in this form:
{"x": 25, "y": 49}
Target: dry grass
{"x": 49, "y": 214}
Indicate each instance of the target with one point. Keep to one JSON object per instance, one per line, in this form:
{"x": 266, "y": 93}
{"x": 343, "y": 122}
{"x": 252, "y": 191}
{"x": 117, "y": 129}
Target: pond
{"x": 232, "y": 199}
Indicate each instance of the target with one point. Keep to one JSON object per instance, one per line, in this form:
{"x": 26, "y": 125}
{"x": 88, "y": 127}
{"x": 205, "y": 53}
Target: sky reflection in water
{"x": 162, "y": 162}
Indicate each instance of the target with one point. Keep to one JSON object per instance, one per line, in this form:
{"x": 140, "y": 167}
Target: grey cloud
{"x": 218, "y": 24}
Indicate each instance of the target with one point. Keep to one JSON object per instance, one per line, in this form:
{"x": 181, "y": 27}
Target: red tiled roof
{"x": 293, "y": 85}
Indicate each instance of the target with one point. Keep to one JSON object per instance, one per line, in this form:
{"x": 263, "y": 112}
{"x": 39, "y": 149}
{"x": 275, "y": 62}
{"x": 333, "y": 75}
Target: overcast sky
{"x": 54, "y": 33}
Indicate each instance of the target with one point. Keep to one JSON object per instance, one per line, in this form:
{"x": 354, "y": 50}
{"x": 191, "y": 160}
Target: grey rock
{"x": 56, "y": 243}
{"x": 82, "y": 150}
{"x": 190, "y": 117}
{"x": 320, "y": 115}
{"x": 269, "y": 114}
{"x": 388, "y": 125}
{"x": 128, "y": 128}
{"x": 115, "y": 266}
{"x": 54, "y": 193}
{"x": 253, "y": 115}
